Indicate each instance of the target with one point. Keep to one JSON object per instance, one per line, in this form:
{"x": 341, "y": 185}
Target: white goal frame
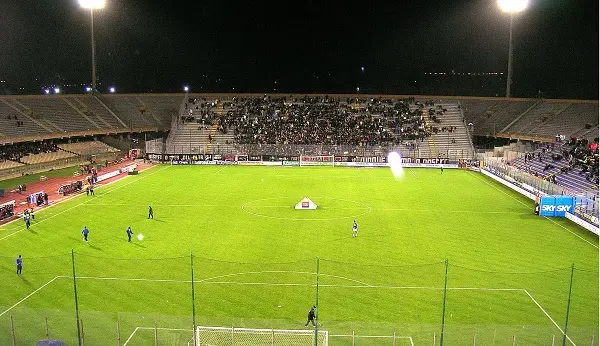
{"x": 227, "y": 336}
{"x": 317, "y": 160}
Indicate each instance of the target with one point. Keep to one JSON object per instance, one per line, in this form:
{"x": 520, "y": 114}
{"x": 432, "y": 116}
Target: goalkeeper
{"x": 311, "y": 316}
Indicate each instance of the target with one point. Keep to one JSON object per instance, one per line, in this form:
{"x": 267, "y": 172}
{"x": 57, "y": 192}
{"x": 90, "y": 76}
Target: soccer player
{"x": 32, "y": 215}
{"x": 354, "y": 229}
{"x": 19, "y": 262}
{"x": 150, "y": 212}
{"x": 85, "y": 233}
{"x": 27, "y": 220}
{"x": 311, "y": 316}
{"x": 129, "y": 234}
{"x": 441, "y": 169}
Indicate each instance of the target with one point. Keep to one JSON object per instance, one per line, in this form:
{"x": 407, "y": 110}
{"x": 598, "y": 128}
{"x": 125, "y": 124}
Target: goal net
{"x": 217, "y": 336}
{"x": 319, "y": 160}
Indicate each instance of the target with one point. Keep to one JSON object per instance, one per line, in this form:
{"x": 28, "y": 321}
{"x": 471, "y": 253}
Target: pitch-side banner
{"x": 556, "y": 205}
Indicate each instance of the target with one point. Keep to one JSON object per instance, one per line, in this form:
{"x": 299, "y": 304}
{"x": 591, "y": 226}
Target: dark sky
{"x": 305, "y": 46}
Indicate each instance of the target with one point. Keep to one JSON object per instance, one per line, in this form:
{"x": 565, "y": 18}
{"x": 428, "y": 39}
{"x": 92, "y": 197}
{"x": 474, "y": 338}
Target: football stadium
{"x": 231, "y": 218}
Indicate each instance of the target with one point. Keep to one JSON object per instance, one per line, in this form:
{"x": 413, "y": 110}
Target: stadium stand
{"x": 87, "y": 148}
{"x": 46, "y": 157}
{"x": 491, "y": 116}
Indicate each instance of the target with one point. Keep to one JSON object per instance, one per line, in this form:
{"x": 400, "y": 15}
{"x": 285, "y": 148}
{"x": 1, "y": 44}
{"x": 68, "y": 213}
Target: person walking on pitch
{"x": 19, "y": 262}
{"x": 311, "y": 316}
{"x": 354, "y": 229}
{"x": 129, "y": 234}
{"x": 150, "y": 213}
{"x": 85, "y": 233}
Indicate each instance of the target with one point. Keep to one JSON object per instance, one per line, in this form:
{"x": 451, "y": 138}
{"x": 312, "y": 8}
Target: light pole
{"x": 92, "y": 5}
{"x": 512, "y": 7}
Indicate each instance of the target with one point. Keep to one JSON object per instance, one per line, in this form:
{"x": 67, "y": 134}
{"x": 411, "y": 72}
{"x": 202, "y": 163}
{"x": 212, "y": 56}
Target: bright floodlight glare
{"x": 186, "y": 88}
{"x": 92, "y": 4}
{"x": 112, "y": 89}
{"x": 395, "y": 163}
{"x": 513, "y": 6}
{"x": 88, "y": 89}
{"x": 47, "y": 91}
{"x": 56, "y": 90}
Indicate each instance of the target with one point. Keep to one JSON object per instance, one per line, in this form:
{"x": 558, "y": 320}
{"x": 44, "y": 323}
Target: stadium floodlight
{"x": 512, "y": 7}
{"x": 57, "y": 90}
{"x": 46, "y": 91}
{"x": 93, "y": 5}
{"x": 88, "y": 89}
{"x": 186, "y": 88}
{"x": 112, "y": 89}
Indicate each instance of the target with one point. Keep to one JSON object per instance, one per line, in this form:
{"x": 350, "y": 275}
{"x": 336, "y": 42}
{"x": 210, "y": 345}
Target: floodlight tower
{"x": 93, "y": 5}
{"x": 512, "y": 7}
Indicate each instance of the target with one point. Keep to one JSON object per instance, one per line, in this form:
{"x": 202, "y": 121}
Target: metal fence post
{"x": 118, "y": 333}
{"x": 12, "y": 330}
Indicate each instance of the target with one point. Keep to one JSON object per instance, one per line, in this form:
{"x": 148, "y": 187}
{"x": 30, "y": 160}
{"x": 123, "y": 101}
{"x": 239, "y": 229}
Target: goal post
{"x": 317, "y": 160}
{"x": 217, "y": 336}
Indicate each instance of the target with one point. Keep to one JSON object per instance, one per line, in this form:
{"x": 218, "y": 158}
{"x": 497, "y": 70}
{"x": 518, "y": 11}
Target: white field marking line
{"x": 291, "y": 207}
{"x": 219, "y": 171}
{"x": 411, "y": 341}
{"x": 29, "y": 295}
{"x": 369, "y": 336}
{"x": 499, "y": 189}
{"x": 285, "y": 271}
{"x": 130, "y": 336}
{"x": 573, "y": 233}
{"x": 363, "y": 285}
{"x": 450, "y": 211}
{"x": 504, "y": 192}
{"x": 545, "y": 313}
{"x": 82, "y": 203}
{"x": 152, "y": 328}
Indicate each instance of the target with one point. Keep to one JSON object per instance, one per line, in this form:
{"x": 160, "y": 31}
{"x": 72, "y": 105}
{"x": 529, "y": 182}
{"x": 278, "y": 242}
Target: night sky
{"x": 304, "y": 47}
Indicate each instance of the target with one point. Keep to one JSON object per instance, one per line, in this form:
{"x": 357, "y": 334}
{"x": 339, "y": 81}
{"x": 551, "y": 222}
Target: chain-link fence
{"x": 89, "y": 300}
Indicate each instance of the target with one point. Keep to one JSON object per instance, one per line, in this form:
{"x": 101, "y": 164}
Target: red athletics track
{"x": 52, "y": 185}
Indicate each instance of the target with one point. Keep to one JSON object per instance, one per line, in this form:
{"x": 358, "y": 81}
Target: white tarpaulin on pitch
{"x": 306, "y": 204}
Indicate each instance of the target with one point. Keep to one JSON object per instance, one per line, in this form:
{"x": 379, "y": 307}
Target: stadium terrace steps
{"x": 490, "y": 116}
{"x": 58, "y": 113}
{"x": 9, "y": 164}
{"x": 455, "y": 144}
{"x": 571, "y": 120}
{"x": 536, "y": 116}
{"x": 46, "y": 157}
{"x": 188, "y": 138}
{"x": 14, "y": 109}
{"x": 87, "y": 148}
{"x": 91, "y": 108}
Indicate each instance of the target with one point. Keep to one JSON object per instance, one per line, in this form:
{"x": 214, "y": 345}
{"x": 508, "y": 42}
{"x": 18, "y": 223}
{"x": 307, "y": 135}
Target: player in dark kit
{"x": 85, "y": 233}
{"x": 27, "y": 220}
{"x": 311, "y": 316}
{"x": 19, "y": 263}
{"x": 129, "y": 233}
{"x": 150, "y": 212}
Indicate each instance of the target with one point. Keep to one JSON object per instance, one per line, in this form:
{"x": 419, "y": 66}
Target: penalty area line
{"x": 547, "y": 315}
{"x": 29, "y": 295}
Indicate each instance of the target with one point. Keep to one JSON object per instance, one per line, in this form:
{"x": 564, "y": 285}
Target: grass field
{"x": 255, "y": 259}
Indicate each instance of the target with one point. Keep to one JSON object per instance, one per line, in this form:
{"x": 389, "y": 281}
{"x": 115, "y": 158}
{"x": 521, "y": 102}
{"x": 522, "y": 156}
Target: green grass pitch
{"x": 255, "y": 259}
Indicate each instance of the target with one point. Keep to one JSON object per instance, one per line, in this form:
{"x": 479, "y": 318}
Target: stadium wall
{"x": 534, "y": 195}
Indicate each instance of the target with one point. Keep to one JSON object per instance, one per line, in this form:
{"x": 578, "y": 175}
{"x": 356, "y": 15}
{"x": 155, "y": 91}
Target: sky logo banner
{"x": 556, "y": 205}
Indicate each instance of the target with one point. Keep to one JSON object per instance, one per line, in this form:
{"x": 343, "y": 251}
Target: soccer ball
{"x": 140, "y": 236}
